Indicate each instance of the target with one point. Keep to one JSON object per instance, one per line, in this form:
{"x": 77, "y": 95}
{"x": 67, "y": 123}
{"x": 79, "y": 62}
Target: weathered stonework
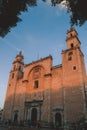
{"x": 40, "y": 91}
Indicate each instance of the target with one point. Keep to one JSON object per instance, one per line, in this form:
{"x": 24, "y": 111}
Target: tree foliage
{"x": 11, "y": 9}
{"x": 78, "y": 9}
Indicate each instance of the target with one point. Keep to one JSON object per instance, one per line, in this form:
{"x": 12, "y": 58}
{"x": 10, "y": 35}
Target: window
{"x": 74, "y": 67}
{"x": 72, "y": 45}
{"x": 70, "y": 58}
{"x": 12, "y": 75}
{"x": 19, "y": 67}
{"x": 71, "y": 35}
{"x": 36, "y": 84}
{"x": 70, "y": 55}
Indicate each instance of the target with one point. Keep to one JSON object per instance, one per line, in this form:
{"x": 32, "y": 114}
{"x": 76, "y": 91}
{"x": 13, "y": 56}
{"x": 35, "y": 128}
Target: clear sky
{"x": 41, "y": 33}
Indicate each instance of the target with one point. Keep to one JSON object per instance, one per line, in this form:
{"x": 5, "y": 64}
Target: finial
{"x": 71, "y": 29}
{"x": 20, "y": 53}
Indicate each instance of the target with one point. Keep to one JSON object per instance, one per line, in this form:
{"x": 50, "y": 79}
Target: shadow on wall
{"x": 16, "y": 106}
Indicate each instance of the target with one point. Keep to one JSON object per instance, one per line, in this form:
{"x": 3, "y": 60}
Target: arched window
{"x": 72, "y": 45}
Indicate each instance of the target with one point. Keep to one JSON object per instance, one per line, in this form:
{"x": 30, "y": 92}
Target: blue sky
{"x": 41, "y": 33}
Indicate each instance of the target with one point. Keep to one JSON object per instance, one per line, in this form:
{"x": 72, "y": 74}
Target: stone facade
{"x": 40, "y": 91}
{"x": 1, "y": 115}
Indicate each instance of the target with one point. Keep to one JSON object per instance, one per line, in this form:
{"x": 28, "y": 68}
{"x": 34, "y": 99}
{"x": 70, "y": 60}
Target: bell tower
{"x": 16, "y": 74}
{"x": 74, "y": 74}
{"x": 72, "y": 39}
{"x": 17, "y": 67}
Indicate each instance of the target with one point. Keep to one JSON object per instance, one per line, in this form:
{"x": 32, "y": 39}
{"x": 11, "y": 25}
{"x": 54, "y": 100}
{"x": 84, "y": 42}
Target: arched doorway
{"x": 34, "y": 116}
{"x": 58, "y": 118}
{"x": 16, "y": 117}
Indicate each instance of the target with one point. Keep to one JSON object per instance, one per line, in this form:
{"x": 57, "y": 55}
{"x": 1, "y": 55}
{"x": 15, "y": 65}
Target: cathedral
{"x": 40, "y": 91}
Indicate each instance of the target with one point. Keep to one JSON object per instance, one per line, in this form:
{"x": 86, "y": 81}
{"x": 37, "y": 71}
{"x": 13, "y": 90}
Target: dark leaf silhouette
{"x": 78, "y": 9}
{"x": 10, "y": 11}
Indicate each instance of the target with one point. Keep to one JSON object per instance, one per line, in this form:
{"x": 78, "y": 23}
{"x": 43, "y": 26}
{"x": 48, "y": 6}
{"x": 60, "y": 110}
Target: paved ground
{"x": 22, "y": 128}
{"x": 1, "y": 128}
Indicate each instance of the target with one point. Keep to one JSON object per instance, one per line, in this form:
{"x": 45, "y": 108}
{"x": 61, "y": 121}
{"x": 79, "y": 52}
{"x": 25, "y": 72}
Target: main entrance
{"x": 34, "y": 116}
{"x": 58, "y": 119}
{"x": 33, "y": 111}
